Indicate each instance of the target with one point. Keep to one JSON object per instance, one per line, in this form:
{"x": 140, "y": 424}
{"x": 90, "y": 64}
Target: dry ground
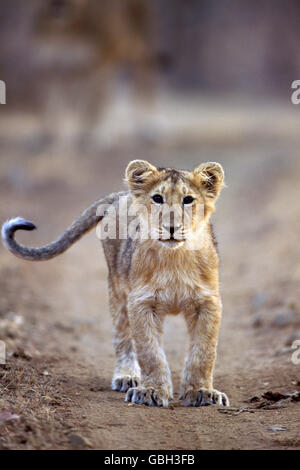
{"x": 54, "y": 316}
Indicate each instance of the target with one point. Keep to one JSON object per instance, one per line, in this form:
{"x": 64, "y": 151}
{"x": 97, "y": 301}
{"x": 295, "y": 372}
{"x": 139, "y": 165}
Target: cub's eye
{"x": 187, "y": 200}
{"x": 158, "y": 199}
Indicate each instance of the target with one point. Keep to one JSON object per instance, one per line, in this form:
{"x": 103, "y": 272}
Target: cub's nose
{"x": 171, "y": 229}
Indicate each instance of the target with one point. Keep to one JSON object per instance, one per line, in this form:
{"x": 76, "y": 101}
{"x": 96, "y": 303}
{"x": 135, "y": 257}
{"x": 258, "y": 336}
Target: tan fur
{"x": 150, "y": 279}
{"x": 174, "y": 271}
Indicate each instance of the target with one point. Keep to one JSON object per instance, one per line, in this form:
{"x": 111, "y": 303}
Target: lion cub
{"x": 167, "y": 264}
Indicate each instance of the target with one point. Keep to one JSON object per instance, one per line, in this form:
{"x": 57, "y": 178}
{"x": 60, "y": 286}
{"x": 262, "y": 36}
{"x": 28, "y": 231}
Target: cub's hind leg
{"x": 127, "y": 370}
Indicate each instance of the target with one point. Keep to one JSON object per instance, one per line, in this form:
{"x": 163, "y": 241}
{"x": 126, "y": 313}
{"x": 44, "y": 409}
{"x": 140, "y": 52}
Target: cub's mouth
{"x": 171, "y": 241}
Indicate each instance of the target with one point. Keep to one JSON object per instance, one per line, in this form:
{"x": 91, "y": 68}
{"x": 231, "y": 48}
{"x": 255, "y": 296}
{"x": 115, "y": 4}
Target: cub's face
{"x": 172, "y": 204}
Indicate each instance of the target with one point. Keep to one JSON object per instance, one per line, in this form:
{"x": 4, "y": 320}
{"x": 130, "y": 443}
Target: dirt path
{"x": 58, "y": 334}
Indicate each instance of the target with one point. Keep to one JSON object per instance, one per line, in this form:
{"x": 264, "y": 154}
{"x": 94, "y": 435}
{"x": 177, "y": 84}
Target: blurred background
{"x": 91, "y": 85}
{"x": 95, "y": 72}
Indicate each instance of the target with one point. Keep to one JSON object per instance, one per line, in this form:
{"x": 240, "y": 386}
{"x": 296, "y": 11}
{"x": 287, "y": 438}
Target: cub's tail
{"x": 83, "y": 224}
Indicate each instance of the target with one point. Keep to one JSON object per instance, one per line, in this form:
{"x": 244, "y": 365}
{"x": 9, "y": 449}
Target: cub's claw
{"x": 122, "y": 384}
{"x": 205, "y": 397}
{"x": 147, "y": 396}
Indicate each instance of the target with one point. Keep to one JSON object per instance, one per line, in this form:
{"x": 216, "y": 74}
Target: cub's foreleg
{"x": 197, "y": 381}
{"x": 146, "y": 330}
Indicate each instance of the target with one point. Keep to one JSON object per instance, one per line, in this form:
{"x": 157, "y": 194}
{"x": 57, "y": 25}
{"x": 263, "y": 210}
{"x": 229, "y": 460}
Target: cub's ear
{"x": 210, "y": 177}
{"x": 139, "y": 174}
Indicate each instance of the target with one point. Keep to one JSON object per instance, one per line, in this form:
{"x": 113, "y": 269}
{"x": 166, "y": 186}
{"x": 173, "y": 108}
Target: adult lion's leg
{"x": 127, "y": 370}
{"x": 146, "y": 328}
{"x": 197, "y": 381}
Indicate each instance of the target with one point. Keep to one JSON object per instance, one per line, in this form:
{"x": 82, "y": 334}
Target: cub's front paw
{"x": 205, "y": 397}
{"x": 147, "y": 396}
{"x": 124, "y": 383}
